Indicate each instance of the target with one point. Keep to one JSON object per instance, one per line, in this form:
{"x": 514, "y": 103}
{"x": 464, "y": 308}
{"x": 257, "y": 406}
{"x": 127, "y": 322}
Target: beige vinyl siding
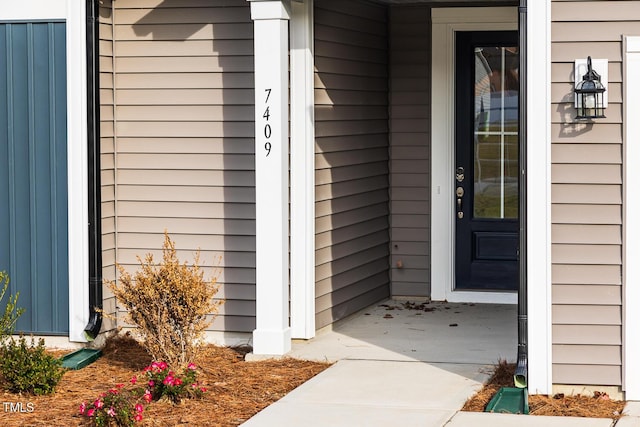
{"x": 184, "y": 140}
{"x": 410, "y": 144}
{"x": 586, "y": 175}
{"x": 352, "y": 226}
{"x": 107, "y": 158}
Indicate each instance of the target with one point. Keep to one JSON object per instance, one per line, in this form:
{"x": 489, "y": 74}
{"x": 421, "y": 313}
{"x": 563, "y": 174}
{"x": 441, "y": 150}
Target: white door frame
{"x": 72, "y": 12}
{"x": 445, "y": 23}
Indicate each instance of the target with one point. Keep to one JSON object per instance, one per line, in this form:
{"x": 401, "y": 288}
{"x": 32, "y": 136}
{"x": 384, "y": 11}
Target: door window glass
{"x": 496, "y": 132}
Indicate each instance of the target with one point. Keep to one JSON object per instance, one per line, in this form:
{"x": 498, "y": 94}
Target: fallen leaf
{"x": 388, "y": 316}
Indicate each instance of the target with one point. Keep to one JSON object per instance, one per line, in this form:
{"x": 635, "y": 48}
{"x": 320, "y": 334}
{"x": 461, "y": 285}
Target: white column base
{"x": 271, "y": 342}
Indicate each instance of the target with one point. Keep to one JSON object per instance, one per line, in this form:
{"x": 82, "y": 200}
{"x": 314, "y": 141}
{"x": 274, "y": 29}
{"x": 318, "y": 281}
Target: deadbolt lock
{"x": 459, "y": 191}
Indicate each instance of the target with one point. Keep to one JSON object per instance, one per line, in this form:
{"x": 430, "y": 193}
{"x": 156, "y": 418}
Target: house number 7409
{"x": 267, "y": 126}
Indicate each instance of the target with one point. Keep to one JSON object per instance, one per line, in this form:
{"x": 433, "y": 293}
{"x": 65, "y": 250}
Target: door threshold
{"x": 483, "y": 297}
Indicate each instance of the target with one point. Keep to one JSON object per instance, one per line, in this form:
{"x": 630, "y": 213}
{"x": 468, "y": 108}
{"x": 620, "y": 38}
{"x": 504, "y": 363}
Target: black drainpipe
{"x": 93, "y": 144}
{"x": 520, "y": 376}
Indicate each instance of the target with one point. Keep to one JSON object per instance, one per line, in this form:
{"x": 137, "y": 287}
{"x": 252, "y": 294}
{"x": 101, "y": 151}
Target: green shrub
{"x": 29, "y": 368}
{"x": 11, "y": 311}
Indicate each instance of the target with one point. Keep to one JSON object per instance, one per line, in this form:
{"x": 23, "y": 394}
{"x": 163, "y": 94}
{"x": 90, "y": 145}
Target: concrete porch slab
{"x": 447, "y": 333}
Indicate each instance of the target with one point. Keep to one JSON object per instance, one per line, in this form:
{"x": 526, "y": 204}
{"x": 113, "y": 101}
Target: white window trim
{"x": 302, "y": 169}
{"x": 538, "y": 174}
{"x": 631, "y": 227}
{"x": 445, "y": 22}
{"x": 73, "y": 13}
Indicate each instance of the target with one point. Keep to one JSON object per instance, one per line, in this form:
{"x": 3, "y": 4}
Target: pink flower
{"x": 203, "y": 389}
{"x": 133, "y": 380}
{"x": 162, "y": 365}
{"x": 90, "y": 412}
{"x": 191, "y": 366}
{"x": 177, "y": 381}
{"x": 119, "y": 386}
{"x": 98, "y": 404}
{"x": 168, "y": 380}
{"x": 111, "y": 412}
{"x": 147, "y": 396}
{"x": 138, "y": 417}
{"x": 113, "y": 390}
{"x": 151, "y": 383}
{"x": 139, "y": 408}
{"x": 83, "y": 407}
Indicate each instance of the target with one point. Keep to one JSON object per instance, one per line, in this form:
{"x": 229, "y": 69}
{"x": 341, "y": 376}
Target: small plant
{"x": 118, "y": 406}
{"x": 29, "y": 368}
{"x": 11, "y": 311}
{"x": 171, "y": 304}
{"x": 164, "y": 383}
{"x": 123, "y": 406}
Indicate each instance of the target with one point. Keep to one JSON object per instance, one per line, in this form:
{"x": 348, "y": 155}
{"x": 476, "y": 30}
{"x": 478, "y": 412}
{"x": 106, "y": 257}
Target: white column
{"x": 271, "y": 28}
{"x": 302, "y": 172}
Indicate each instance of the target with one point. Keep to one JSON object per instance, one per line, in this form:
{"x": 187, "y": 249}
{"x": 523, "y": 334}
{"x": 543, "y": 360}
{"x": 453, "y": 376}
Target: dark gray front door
{"x": 33, "y": 172}
{"x": 486, "y": 181}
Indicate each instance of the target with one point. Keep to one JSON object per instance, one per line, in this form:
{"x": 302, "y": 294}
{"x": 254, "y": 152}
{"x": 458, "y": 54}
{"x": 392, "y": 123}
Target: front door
{"x": 486, "y": 168}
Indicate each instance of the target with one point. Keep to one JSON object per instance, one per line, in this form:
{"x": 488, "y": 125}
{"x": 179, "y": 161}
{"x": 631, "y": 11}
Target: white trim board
{"x": 539, "y": 197}
{"x": 73, "y": 13}
{"x": 302, "y": 171}
{"x": 631, "y": 227}
{"x": 446, "y": 21}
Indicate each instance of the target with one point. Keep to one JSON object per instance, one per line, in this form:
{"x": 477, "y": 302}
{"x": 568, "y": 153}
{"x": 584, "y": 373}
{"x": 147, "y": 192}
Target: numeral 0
{"x": 267, "y": 146}
{"x": 267, "y": 131}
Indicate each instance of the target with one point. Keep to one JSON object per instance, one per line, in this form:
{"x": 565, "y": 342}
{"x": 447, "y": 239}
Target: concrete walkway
{"x": 402, "y": 366}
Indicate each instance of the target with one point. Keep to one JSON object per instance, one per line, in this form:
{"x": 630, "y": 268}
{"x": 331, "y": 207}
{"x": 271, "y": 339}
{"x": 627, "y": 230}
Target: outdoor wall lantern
{"x": 590, "y": 92}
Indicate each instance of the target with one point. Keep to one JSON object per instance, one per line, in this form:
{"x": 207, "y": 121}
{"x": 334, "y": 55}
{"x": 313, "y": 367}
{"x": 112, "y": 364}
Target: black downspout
{"x": 93, "y": 144}
{"x": 520, "y": 376}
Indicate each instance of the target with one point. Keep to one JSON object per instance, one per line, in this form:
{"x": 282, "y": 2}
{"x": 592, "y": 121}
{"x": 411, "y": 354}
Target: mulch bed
{"x": 236, "y": 389}
{"x": 597, "y": 406}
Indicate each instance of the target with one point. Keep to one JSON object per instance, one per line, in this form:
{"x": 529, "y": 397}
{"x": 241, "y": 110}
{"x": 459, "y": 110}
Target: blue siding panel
{"x": 34, "y": 172}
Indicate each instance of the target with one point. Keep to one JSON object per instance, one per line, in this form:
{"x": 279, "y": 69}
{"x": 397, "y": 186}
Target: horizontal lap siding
{"x": 410, "y": 42}
{"x": 184, "y": 129}
{"x": 107, "y": 158}
{"x": 586, "y": 176}
{"x": 351, "y": 97}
